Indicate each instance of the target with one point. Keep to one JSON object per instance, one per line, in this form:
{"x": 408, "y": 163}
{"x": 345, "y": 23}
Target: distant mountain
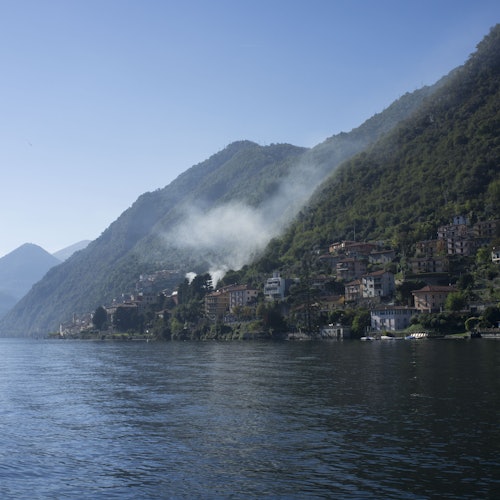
{"x": 67, "y": 252}
{"x": 217, "y": 215}
{"x": 19, "y": 270}
{"x": 7, "y": 302}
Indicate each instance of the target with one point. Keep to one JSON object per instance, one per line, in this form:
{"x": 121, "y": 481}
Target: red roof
{"x": 435, "y": 288}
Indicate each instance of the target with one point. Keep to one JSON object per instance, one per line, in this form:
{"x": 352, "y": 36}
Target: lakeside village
{"x": 369, "y": 292}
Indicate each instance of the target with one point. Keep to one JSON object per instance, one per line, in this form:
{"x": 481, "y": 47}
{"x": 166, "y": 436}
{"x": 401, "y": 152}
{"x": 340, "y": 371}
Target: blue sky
{"x": 103, "y": 100}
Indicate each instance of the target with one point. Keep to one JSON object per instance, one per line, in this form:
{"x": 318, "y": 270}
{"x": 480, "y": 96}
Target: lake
{"x": 384, "y": 419}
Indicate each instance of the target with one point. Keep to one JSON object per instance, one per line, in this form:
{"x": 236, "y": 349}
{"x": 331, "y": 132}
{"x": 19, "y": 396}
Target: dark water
{"x": 402, "y": 420}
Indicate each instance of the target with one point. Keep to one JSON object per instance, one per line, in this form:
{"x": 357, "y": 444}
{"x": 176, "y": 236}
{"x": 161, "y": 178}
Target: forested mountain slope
{"x": 217, "y": 215}
{"x": 442, "y": 161}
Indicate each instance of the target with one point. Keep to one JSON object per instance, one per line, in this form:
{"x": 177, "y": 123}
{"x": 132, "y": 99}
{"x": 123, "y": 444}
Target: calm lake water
{"x": 395, "y": 419}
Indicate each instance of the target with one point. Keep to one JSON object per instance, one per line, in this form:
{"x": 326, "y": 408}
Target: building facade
{"x": 378, "y": 284}
{"x": 275, "y": 287}
{"x": 392, "y": 318}
{"x": 240, "y": 296}
{"x": 431, "y": 298}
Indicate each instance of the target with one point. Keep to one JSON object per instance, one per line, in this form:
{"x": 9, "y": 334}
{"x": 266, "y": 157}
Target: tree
{"x": 360, "y": 322}
{"x": 126, "y": 319}
{"x": 99, "y": 318}
{"x": 466, "y": 281}
{"x": 271, "y": 316}
{"x": 455, "y": 301}
{"x": 201, "y": 285}
{"x": 492, "y": 316}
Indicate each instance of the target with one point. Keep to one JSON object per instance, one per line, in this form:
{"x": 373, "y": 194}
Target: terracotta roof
{"x": 376, "y": 273}
{"x": 435, "y": 288}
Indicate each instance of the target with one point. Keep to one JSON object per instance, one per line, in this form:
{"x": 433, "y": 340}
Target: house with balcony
{"x": 457, "y": 237}
{"x": 359, "y": 249}
{"x": 436, "y": 264}
{"x": 216, "y": 304}
{"x": 275, "y": 287}
{"x": 486, "y": 230}
{"x": 350, "y": 268}
{"x": 378, "y": 284}
{"x": 340, "y": 246}
{"x": 430, "y": 248}
{"x": 240, "y": 296}
{"x": 352, "y": 291}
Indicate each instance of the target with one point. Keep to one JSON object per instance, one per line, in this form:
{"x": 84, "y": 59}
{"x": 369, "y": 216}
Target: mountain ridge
{"x": 441, "y": 162}
{"x": 19, "y": 270}
{"x": 275, "y": 180}
{"x": 67, "y": 252}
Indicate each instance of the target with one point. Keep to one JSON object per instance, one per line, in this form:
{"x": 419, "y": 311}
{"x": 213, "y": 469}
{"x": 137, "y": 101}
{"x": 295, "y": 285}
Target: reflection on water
{"x": 218, "y": 420}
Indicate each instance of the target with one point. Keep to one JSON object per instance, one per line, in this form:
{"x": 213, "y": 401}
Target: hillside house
{"x": 240, "y": 296}
{"x": 421, "y": 265}
{"x": 431, "y": 298}
{"x": 145, "y": 299}
{"x": 360, "y": 250}
{"x": 391, "y": 318}
{"x": 330, "y": 303}
{"x": 216, "y": 304}
{"x": 457, "y": 237}
{"x": 461, "y": 246}
{"x": 275, "y": 287}
{"x": 353, "y": 291}
{"x": 381, "y": 257}
{"x": 340, "y": 246}
{"x": 486, "y": 230}
{"x": 349, "y": 269}
{"x": 378, "y": 284}
{"x": 430, "y": 248}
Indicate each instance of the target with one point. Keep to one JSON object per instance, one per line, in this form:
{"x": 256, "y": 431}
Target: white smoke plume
{"x": 190, "y": 276}
{"x": 228, "y": 236}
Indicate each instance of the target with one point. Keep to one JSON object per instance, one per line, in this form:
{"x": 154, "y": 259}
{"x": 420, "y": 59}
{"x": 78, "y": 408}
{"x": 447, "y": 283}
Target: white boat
{"x": 417, "y": 335}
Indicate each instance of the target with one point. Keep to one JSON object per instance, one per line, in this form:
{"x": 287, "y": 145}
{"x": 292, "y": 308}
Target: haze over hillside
{"x": 221, "y": 213}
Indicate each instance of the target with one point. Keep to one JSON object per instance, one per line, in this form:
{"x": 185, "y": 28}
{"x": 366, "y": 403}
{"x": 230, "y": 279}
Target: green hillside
{"x": 217, "y": 215}
{"x": 443, "y": 161}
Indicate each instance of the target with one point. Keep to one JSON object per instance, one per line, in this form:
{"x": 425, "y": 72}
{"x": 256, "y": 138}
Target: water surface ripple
{"x": 401, "y": 420}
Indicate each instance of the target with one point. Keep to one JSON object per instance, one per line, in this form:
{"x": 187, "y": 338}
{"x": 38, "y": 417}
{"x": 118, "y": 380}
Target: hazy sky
{"x": 103, "y": 100}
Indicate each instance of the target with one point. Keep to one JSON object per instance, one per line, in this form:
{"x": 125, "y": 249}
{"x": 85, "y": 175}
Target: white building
{"x": 391, "y": 318}
{"x": 275, "y": 287}
{"x": 378, "y": 284}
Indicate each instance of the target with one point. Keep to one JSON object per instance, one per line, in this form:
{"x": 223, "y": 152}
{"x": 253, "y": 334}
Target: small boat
{"x": 417, "y": 335}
